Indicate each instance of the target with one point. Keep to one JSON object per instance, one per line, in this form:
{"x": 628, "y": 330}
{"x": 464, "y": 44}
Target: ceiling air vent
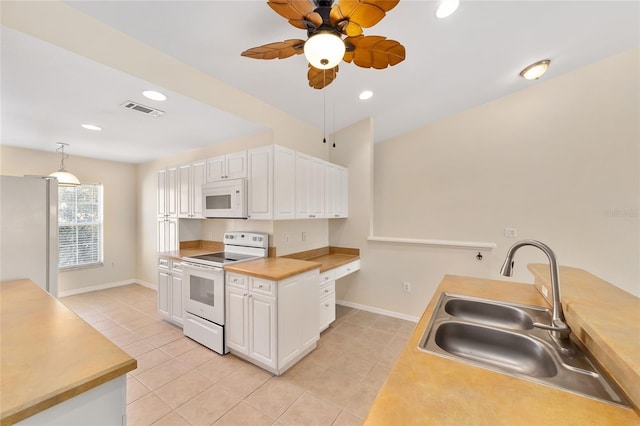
{"x": 143, "y": 108}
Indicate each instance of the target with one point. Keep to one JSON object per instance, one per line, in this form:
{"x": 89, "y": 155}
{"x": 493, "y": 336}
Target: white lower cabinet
{"x": 272, "y": 324}
{"x": 327, "y": 294}
{"x": 170, "y": 290}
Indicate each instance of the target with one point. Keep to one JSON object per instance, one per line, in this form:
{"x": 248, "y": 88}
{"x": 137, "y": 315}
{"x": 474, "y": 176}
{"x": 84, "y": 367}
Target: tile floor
{"x": 179, "y": 382}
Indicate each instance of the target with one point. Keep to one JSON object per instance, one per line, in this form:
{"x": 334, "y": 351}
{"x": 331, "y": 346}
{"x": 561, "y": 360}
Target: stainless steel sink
{"x": 500, "y": 337}
{"x": 489, "y": 313}
{"x": 511, "y": 352}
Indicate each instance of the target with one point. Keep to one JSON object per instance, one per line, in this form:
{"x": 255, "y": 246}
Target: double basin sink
{"x": 501, "y": 337}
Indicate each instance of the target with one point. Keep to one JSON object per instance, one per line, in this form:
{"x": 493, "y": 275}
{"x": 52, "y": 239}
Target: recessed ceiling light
{"x": 154, "y": 96}
{"x": 535, "y": 71}
{"x": 446, "y": 8}
{"x": 92, "y": 127}
{"x": 367, "y": 94}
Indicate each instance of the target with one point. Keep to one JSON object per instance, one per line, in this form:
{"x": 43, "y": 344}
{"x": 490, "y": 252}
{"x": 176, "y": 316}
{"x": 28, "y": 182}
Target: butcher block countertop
{"x": 272, "y": 268}
{"x": 426, "y": 389}
{"x": 48, "y": 353}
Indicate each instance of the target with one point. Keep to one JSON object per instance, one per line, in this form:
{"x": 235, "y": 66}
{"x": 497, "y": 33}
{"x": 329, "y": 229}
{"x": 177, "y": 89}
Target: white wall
{"x": 119, "y": 233}
{"x": 558, "y": 161}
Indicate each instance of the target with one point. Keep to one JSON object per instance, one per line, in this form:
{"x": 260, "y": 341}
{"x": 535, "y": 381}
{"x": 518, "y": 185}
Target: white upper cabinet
{"x": 230, "y": 166}
{"x": 167, "y": 192}
{"x": 190, "y": 180}
{"x": 284, "y": 183}
{"x": 310, "y": 183}
{"x": 336, "y": 190}
{"x": 260, "y": 182}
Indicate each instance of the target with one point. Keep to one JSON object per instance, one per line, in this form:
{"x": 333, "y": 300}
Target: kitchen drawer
{"x": 236, "y": 280}
{"x": 176, "y": 266}
{"x": 347, "y": 269}
{"x": 327, "y": 276}
{"x": 268, "y": 288}
{"x": 164, "y": 263}
{"x": 327, "y": 311}
{"x": 327, "y": 289}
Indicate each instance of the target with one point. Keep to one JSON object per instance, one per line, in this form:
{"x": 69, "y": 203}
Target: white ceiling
{"x": 468, "y": 59}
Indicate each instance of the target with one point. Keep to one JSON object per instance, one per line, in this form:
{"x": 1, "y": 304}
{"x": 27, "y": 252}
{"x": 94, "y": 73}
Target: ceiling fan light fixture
{"x": 324, "y": 50}
{"x": 535, "y": 70}
{"x": 64, "y": 177}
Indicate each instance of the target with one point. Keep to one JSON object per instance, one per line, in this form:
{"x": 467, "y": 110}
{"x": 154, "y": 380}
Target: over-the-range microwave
{"x": 225, "y": 199}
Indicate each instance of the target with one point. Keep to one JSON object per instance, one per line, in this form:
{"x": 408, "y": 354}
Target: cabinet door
{"x": 330, "y": 187}
{"x": 303, "y": 183}
{"x": 236, "y": 320}
{"x": 262, "y": 329}
{"x": 236, "y": 165}
{"x": 216, "y": 168}
{"x": 184, "y": 193}
{"x": 163, "y": 293}
{"x": 284, "y": 183}
{"x": 198, "y": 175}
{"x": 260, "y": 183}
{"x": 172, "y": 192}
{"x": 171, "y": 235}
{"x": 162, "y": 193}
{"x": 316, "y": 189}
{"x": 342, "y": 192}
{"x": 176, "y": 298}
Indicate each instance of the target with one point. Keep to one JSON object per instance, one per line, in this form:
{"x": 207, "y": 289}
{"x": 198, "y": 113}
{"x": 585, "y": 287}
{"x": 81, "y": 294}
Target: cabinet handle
{"x": 326, "y": 305}
{"x": 260, "y": 286}
{"x": 326, "y": 290}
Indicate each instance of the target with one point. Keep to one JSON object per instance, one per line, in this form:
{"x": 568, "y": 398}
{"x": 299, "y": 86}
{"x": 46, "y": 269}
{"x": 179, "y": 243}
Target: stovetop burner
{"x": 222, "y": 257}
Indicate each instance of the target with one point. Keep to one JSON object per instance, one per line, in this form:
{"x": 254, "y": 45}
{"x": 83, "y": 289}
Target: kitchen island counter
{"x": 48, "y": 354}
{"x": 426, "y": 389}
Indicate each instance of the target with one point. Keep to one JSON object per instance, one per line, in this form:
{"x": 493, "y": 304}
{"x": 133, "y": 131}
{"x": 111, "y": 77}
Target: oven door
{"x": 204, "y": 292}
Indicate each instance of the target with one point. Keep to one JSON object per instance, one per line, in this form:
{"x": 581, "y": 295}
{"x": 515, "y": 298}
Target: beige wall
{"x": 558, "y": 161}
{"x": 120, "y": 190}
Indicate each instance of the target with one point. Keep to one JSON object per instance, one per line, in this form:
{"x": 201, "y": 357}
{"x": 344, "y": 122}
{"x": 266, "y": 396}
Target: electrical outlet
{"x": 406, "y": 286}
{"x": 510, "y": 232}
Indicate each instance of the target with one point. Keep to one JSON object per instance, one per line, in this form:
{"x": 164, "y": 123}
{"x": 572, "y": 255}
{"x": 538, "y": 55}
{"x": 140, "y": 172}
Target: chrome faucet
{"x": 558, "y": 329}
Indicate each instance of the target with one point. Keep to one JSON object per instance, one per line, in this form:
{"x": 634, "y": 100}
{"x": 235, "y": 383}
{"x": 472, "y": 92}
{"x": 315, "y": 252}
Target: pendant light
{"x": 64, "y": 177}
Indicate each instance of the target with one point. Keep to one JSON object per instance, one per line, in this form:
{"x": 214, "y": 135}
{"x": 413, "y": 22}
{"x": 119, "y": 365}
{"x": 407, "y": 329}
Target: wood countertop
{"x": 272, "y": 268}
{"x": 426, "y": 389}
{"x": 48, "y": 353}
{"x": 610, "y": 329}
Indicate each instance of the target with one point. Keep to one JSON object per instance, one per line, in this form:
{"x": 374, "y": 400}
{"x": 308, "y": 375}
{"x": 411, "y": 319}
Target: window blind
{"x": 80, "y": 226}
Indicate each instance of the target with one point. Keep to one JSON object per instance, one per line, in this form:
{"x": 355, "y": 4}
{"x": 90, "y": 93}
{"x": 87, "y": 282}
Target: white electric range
{"x": 204, "y": 286}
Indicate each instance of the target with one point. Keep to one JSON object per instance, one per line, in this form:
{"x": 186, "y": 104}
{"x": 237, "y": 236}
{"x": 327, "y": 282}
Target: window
{"x": 79, "y": 226}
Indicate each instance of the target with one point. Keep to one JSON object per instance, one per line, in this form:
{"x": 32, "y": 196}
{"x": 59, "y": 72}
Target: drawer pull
{"x": 260, "y": 286}
{"x": 326, "y": 305}
{"x": 326, "y": 290}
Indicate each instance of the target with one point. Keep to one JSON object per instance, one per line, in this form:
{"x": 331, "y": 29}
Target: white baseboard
{"x": 106, "y": 286}
{"x": 378, "y": 310}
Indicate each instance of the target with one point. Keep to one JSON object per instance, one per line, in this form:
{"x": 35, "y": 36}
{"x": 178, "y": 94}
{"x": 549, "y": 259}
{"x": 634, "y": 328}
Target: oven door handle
{"x": 197, "y": 266}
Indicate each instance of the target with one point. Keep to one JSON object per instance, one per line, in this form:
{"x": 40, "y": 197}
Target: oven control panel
{"x": 247, "y": 239}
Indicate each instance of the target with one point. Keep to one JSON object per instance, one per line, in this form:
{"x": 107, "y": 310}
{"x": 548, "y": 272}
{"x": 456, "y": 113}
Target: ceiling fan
{"x": 325, "y": 47}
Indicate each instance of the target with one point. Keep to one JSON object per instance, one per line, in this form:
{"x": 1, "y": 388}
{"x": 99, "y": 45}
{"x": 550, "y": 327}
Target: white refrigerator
{"x": 29, "y": 230}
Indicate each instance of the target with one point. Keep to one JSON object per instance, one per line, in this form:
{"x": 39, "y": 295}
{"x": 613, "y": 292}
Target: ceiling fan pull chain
{"x": 324, "y": 108}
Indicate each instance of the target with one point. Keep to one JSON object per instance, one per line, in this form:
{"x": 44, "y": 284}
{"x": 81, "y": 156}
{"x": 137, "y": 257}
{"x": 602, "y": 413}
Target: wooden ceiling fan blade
{"x": 279, "y": 50}
{"x": 296, "y": 12}
{"x": 374, "y": 52}
{"x": 364, "y": 13}
{"x": 319, "y": 79}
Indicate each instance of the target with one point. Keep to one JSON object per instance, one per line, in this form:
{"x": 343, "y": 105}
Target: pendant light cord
{"x": 324, "y": 106}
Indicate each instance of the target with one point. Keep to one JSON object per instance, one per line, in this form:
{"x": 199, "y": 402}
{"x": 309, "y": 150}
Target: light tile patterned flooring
{"x": 179, "y": 382}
